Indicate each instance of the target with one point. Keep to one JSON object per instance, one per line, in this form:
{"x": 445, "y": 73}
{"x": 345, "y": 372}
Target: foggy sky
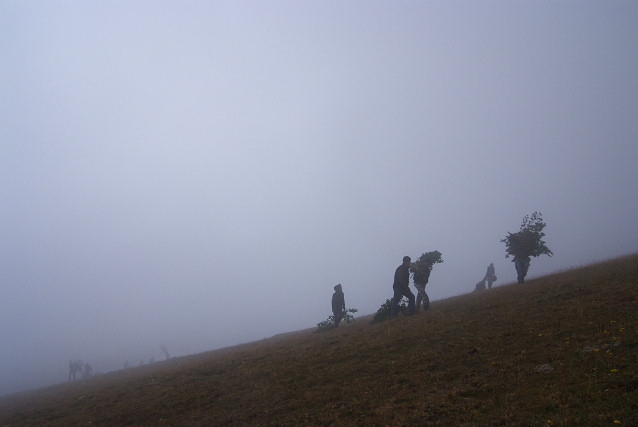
{"x": 202, "y": 173}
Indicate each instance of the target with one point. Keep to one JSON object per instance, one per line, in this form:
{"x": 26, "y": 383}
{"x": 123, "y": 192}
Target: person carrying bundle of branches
{"x": 526, "y": 243}
{"x": 421, "y": 279}
{"x": 421, "y": 270}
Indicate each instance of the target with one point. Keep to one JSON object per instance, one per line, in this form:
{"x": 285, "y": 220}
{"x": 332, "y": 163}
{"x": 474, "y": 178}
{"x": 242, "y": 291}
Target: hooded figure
{"x": 338, "y": 305}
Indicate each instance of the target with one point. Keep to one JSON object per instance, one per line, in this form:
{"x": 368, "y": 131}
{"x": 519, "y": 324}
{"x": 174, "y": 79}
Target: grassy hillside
{"x": 558, "y": 350}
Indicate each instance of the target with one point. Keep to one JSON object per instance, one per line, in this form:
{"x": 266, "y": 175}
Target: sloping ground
{"x": 559, "y": 350}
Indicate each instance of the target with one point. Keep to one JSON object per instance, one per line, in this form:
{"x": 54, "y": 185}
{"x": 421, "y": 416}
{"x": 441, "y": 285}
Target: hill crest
{"x": 560, "y": 349}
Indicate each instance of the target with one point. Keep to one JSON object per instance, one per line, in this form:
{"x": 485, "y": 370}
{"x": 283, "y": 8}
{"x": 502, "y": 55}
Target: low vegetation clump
{"x": 562, "y": 350}
{"x": 329, "y": 323}
{"x": 384, "y": 312}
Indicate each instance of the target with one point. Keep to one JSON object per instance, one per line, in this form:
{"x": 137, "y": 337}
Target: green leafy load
{"x": 528, "y": 241}
{"x": 426, "y": 261}
{"x": 329, "y": 323}
{"x": 383, "y": 313}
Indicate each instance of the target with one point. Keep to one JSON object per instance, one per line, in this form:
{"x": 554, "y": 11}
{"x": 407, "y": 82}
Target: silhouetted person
{"x": 164, "y": 349}
{"x": 338, "y": 305}
{"x": 88, "y": 371}
{"x": 75, "y": 366}
{"x": 490, "y": 275}
{"x": 401, "y": 288}
{"x": 421, "y": 279}
{"x": 521, "y": 263}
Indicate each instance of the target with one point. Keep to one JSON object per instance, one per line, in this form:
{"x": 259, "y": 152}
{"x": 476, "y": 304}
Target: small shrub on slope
{"x": 329, "y": 323}
{"x": 383, "y": 313}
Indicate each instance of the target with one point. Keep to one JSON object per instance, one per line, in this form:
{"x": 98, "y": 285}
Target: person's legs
{"x": 408, "y": 293}
{"x": 518, "y": 264}
{"x": 394, "y": 311}
{"x": 525, "y": 267}
{"x": 419, "y": 297}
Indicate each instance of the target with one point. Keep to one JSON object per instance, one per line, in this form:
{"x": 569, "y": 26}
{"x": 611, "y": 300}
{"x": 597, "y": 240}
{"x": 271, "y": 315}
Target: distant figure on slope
{"x": 420, "y": 280}
{"x": 75, "y": 366}
{"x": 88, "y": 372}
{"x": 521, "y": 263}
{"x": 401, "y": 288}
{"x": 489, "y": 278}
{"x": 338, "y": 304}
{"x": 490, "y": 275}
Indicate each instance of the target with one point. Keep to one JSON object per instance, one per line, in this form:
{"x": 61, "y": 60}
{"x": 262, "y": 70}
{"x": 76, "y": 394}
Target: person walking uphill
{"x": 338, "y": 304}
{"x": 521, "y": 263}
{"x": 401, "y": 287}
{"x": 420, "y": 280}
{"x": 490, "y": 275}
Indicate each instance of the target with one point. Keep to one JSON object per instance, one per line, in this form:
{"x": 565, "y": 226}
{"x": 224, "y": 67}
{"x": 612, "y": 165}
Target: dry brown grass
{"x": 559, "y": 350}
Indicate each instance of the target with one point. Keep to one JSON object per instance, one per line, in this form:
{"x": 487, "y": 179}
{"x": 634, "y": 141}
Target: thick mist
{"x": 201, "y": 174}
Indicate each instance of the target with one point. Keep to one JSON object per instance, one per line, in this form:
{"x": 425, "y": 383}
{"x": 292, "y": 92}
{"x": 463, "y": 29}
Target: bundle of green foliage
{"x": 426, "y": 261}
{"x": 528, "y": 241}
{"x": 384, "y": 312}
{"x": 329, "y": 323}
